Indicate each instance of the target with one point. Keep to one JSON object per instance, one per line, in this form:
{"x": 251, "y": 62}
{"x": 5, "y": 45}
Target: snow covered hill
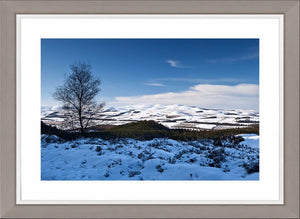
{"x": 172, "y": 116}
{"x": 157, "y": 159}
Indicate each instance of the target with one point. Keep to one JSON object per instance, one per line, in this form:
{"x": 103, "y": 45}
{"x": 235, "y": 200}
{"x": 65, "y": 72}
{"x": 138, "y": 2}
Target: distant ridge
{"x": 176, "y": 116}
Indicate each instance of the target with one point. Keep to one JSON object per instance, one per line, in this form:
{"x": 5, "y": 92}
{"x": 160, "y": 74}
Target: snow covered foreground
{"x": 158, "y": 159}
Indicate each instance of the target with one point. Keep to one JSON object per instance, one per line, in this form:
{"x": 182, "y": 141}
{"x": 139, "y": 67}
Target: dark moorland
{"x": 147, "y": 130}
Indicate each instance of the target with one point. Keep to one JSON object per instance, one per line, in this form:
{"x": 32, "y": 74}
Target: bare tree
{"x": 78, "y": 96}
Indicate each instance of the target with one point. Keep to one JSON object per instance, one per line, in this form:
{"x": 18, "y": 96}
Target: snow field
{"x": 158, "y": 159}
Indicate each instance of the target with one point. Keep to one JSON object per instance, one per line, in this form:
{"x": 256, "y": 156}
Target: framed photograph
{"x": 150, "y": 109}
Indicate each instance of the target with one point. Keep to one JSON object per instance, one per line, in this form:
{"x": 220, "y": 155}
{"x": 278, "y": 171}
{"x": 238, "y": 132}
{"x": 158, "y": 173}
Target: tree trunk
{"x": 81, "y": 122}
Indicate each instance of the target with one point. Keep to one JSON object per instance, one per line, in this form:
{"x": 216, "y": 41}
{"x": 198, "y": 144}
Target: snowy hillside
{"x": 172, "y": 116}
{"x": 157, "y": 159}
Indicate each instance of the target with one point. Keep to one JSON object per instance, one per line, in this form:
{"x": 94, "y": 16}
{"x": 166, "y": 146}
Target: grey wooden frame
{"x": 9, "y": 9}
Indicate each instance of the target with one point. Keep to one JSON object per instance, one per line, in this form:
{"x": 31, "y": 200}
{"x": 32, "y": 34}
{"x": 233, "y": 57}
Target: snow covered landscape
{"x": 150, "y": 109}
{"x": 157, "y": 159}
{"x": 171, "y": 116}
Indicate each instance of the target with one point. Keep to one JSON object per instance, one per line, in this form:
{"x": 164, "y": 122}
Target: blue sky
{"x": 215, "y": 73}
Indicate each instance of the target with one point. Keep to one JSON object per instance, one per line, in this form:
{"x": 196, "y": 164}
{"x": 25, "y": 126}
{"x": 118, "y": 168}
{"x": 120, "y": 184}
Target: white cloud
{"x": 177, "y": 64}
{"x": 241, "y": 96}
{"x": 173, "y": 63}
{"x": 155, "y": 84}
{"x": 201, "y": 80}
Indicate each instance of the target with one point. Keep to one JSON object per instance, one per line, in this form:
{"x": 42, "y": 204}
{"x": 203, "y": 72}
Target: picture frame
{"x": 33, "y": 30}
{"x": 290, "y": 208}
